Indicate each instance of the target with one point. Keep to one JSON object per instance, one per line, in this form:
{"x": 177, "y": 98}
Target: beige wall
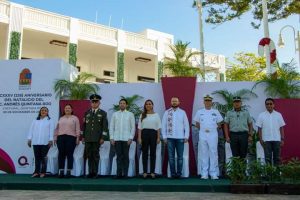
{"x": 3, "y": 40}
{"x": 36, "y": 45}
{"x": 95, "y": 58}
{"x": 135, "y": 68}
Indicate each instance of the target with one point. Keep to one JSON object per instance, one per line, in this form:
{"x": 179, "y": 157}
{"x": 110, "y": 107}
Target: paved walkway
{"x": 80, "y": 195}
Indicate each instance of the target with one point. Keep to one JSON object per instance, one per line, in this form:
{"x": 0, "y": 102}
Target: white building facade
{"x": 113, "y": 55}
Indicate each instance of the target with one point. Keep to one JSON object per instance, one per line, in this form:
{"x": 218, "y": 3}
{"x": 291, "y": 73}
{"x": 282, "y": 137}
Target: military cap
{"x": 237, "y": 98}
{"x": 95, "y": 97}
{"x": 207, "y": 97}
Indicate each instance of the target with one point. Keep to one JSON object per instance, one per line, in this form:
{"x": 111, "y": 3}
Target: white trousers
{"x": 208, "y": 144}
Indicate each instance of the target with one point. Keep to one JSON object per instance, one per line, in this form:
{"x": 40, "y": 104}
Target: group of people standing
{"x": 173, "y": 129}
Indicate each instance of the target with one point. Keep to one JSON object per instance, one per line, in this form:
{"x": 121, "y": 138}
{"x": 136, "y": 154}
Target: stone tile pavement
{"x": 83, "y": 195}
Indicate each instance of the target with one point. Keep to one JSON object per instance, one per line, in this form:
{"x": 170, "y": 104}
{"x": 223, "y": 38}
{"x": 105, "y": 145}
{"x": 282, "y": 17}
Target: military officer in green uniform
{"x": 238, "y": 128}
{"x": 95, "y": 128}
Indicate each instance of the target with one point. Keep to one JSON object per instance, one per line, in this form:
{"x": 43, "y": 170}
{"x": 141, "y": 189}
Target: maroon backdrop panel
{"x": 290, "y": 110}
{"x": 79, "y": 108}
{"x": 6, "y": 163}
{"x": 184, "y": 89}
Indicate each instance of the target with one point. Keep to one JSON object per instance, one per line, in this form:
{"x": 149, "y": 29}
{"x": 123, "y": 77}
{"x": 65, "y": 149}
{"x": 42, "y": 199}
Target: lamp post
{"x": 199, "y": 7}
{"x": 296, "y": 39}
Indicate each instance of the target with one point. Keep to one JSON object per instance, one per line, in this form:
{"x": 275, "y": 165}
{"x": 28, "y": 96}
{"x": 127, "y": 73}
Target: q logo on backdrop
{"x": 23, "y": 161}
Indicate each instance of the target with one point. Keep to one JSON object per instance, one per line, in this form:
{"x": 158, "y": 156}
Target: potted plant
{"x": 285, "y": 83}
{"x": 227, "y": 96}
{"x": 132, "y": 105}
{"x": 76, "y": 92}
{"x": 78, "y": 89}
{"x": 241, "y": 183}
{"x": 286, "y": 178}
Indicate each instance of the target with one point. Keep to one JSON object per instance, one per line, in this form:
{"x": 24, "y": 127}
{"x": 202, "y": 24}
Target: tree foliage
{"x": 220, "y": 11}
{"x": 246, "y": 67}
{"x": 181, "y": 64}
{"x": 227, "y": 96}
{"x": 132, "y": 105}
{"x": 76, "y": 90}
{"x": 285, "y": 83}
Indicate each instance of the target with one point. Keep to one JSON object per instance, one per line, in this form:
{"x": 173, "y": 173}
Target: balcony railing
{"x": 140, "y": 42}
{"x": 4, "y": 10}
{"x": 96, "y": 31}
{"x": 45, "y": 19}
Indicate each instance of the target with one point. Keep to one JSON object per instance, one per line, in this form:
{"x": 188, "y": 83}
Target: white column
{"x": 16, "y": 16}
{"x": 74, "y": 30}
{"x": 121, "y": 39}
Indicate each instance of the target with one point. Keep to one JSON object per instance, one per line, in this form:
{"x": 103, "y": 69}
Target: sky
{"x": 177, "y": 17}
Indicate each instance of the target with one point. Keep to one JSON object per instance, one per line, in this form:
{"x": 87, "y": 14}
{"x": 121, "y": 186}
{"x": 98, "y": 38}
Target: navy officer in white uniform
{"x": 208, "y": 120}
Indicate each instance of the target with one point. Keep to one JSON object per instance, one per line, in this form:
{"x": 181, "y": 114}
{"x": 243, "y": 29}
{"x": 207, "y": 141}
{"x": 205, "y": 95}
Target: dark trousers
{"x": 112, "y": 153}
{"x": 272, "y": 147}
{"x": 239, "y": 144}
{"x": 149, "y": 140}
{"x": 221, "y": 153}
{"x": 66, "y": 145}
{"x": 93, "y": 156}
{"x": 122, "y": 151}
{"x": 40, "y": 157}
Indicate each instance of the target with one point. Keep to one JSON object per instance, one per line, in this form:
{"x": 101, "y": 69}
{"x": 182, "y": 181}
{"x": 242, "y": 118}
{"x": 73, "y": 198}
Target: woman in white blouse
{"x": 40, "y": 136}
{"x": 149, "y": 136}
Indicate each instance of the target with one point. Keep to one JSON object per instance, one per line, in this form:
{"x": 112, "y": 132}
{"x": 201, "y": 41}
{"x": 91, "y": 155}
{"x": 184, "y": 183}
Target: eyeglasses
{"x": 94, "y": 101}
{"x": 269, "y": 104}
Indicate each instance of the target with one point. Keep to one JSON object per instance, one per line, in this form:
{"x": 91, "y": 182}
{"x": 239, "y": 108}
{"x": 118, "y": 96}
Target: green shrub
{"x": 236, "y": 169}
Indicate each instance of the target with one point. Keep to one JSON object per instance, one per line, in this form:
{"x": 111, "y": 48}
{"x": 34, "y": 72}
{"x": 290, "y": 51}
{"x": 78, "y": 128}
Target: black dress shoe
{"x": 173, "y": 176}
{"x": 90, "y": 175}
{"x": 68, "y": 175}
{"x": 61, "y": 173}
{"x": 96, "y": 176}
{"x": 177, "y": 176}
{"x": 117, "y": 177}
{"x": 61, "y": 176}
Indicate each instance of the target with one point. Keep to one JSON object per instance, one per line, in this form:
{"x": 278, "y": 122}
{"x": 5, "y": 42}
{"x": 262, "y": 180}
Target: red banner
{"x": 290, "y": 110}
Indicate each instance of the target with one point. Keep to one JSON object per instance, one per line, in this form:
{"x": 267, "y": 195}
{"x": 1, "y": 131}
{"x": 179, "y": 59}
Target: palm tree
{"x": 78, "y": 89}
{"x": 132, "y": 105}
{"x": 284, "y": 84}
{"x": 227, "y": 96}
{"x": 181, "y": 65}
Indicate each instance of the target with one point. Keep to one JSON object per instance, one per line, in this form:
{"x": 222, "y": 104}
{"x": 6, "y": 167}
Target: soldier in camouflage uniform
{"x": 94, "y": 130}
